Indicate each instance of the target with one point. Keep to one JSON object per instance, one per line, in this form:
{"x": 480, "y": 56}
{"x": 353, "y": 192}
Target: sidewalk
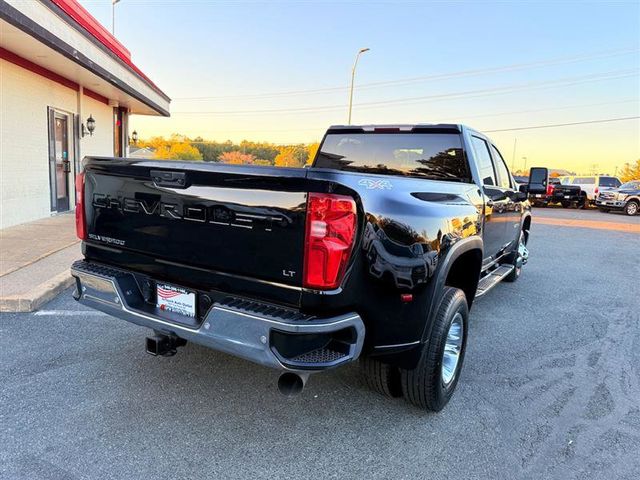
{"x": 34, "y": 262}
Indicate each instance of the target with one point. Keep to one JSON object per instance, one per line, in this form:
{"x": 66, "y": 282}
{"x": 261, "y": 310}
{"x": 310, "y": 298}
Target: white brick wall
{"x": 101, "y": 143}
{"x": 24, "y": 147}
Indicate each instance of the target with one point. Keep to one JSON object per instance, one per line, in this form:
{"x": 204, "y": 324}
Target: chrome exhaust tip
{"x": 291, "y": 384}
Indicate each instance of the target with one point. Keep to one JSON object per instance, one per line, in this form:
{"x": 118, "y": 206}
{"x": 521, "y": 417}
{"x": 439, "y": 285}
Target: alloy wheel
{"x": 452, "y": 349}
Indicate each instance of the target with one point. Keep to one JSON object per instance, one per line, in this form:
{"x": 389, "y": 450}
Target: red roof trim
{"x": 91, "y": 25}
{"x": 95, "y": 96}
{"x": 35, "y": 68}
{"x": 83, "y": 18}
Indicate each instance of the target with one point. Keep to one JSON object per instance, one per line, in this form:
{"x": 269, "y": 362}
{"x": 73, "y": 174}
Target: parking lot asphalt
{"x": 592, "y": 214}
{"x": 550, "y": 389}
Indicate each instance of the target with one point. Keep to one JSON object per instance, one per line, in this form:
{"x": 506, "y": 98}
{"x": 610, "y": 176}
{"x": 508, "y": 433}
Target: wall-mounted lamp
{"x": 91, "y": 126}
{"x": 134, "y": 137}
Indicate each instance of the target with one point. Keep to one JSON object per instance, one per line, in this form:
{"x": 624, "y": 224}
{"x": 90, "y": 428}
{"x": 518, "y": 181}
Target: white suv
{"x": 591, "y": 185}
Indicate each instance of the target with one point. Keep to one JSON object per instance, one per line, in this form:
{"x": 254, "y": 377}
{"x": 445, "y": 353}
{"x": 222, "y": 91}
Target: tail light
{"x": 596, "y": 190}
{"x": 81, "y": 221}
{"x": 550, "y": 188}
{"x": 330, "y": 232}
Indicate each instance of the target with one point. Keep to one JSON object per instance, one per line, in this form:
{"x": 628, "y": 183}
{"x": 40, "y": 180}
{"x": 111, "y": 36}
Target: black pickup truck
{"x": 376, "y": 253}
{"x": 559, "y": 193}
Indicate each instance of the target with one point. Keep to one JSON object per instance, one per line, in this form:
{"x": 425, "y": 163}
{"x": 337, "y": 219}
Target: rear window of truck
{"x": 609, "y": 182}
{"x": 436, "y": 156}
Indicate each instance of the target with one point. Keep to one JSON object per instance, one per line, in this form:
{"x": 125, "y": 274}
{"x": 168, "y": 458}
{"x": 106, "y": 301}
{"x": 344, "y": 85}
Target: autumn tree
{"x": 285, "y": 157}
{"x": 312, "y": 149}
{"x": 176, "y": 147}
{"x": 630, "y": 171}
{"x": 153, "y": 143}
{"x": 261, "y": 150}
{"x": 178, "y": 151}
{"x": 291, "y": 156}
{"x": 257, "y": 153}
{"x": 237, "y": 158}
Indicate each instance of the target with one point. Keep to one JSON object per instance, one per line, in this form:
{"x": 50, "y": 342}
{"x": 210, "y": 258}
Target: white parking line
{"x": 69, "y": 313}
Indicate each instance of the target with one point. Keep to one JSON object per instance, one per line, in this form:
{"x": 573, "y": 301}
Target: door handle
{"x": 163, "y": 178}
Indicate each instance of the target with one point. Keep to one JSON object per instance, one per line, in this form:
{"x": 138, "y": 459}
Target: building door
{"x": 59, "y": 160}
{"x": 120, "y": 128}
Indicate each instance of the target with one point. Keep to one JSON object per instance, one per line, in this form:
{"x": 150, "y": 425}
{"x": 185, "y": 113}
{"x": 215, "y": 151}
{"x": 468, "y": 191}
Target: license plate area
{"x": 176, "y": 300}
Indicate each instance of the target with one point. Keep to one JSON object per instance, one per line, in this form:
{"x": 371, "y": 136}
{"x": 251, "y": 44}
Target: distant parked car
{"x": 592, "y": 185}
{"x": 625, "y": 198}
{"x": 557, "y": 193}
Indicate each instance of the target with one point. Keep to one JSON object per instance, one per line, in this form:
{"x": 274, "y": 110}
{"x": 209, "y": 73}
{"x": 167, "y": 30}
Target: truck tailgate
{"x": 235, "y": 221}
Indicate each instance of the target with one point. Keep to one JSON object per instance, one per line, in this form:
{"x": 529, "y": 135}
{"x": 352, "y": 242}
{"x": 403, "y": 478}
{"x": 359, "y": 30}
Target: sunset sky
{"x": 279, "y": 71}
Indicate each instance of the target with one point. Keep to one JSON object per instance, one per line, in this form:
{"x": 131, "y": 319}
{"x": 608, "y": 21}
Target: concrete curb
{"x": 32, "y": 300}
{"x": 37, "y": 259}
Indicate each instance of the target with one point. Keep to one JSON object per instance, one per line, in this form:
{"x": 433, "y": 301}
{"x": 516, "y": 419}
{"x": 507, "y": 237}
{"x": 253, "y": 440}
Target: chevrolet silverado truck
{"x": 376, "y": 252}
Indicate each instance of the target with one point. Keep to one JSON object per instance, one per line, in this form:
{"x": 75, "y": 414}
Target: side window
{"x": 481, "y": 150}
{"x": 504, "y": 179}
{"x": 584, "y": 181}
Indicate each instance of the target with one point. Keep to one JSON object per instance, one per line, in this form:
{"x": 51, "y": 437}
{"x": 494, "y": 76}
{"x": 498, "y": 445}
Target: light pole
{"x": 353, "y": 76}
{"x": 113, "y": 16}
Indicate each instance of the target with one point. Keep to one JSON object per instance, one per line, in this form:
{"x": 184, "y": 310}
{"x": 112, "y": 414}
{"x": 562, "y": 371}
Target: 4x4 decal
{"x": 370, "y": 184}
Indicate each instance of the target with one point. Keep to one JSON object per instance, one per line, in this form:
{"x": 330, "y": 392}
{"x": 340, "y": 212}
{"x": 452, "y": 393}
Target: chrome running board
{"x": 493, "y": 279}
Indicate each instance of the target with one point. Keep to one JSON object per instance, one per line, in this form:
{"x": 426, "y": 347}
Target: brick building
{"x": 67, "y": 88}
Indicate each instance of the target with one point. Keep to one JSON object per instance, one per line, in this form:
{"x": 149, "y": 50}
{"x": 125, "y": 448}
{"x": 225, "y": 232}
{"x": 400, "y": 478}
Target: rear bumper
{"x": 555, "y": 198}
{"x": 268, "y": 336}
{"x": 560, "y": 197}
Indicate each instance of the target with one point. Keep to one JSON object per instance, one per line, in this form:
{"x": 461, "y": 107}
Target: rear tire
{"x": 566, "y": 204}
{"x": 583, "y": 203}
{"x": 430, "y": 385}
{"x": 381, "y": 377}
{"x": 632, "y": 208}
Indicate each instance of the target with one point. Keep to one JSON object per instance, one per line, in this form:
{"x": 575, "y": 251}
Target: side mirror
{"x": 523, "y": 188}
{"x": 519, "y": 196}
{"x": 538, "y": 180}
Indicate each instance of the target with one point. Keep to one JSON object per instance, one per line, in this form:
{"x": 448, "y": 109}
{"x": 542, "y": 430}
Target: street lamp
{"x": 113, "y": 16}
{"x": 353, "y": 76}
